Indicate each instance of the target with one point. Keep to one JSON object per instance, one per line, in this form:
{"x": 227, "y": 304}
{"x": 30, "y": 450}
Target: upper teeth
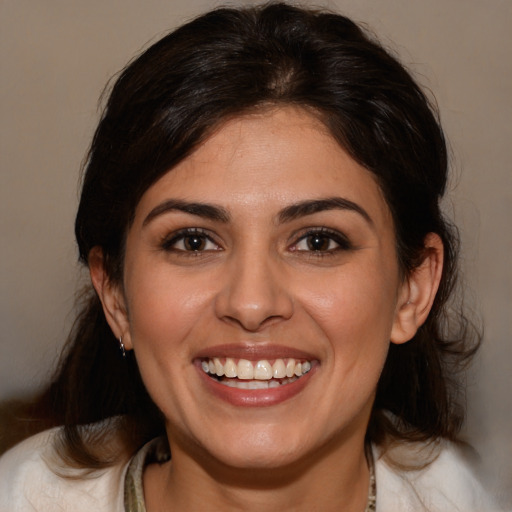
{"x": 255, "y": 370}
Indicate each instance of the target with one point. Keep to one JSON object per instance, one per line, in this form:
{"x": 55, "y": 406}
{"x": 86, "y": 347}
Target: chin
{"x": 256, "y": 458}
{"x": 253, "y": 448}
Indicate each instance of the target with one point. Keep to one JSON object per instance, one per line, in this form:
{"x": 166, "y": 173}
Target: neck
{"x": 335, "y": 477}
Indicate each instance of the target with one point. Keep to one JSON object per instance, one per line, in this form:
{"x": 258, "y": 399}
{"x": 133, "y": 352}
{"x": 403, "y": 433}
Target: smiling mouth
{"x": 262, "y": 374}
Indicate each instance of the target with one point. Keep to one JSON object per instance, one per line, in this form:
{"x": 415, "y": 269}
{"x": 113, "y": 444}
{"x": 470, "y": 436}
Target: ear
{"x": 111, "y": 297}
{"x": 418, "y": 292}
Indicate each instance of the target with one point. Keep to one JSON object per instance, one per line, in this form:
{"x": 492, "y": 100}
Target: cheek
{"x": 351, "y": 302}
{"x": 163, "y": 308}
{"x": 354, "y": 311}
{"x": 165, "y": 314}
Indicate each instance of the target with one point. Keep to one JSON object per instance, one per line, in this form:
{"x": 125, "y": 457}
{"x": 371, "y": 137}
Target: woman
{"x": 271, "y": 270}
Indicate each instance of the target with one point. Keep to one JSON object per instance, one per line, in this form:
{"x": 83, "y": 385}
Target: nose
{"x": 254, "y": 293}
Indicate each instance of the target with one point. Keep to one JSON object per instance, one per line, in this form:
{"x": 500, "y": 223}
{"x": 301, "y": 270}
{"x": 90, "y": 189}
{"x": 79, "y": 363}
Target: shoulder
{"x": 33, "y": 477}
{"x": 447, "y": 484}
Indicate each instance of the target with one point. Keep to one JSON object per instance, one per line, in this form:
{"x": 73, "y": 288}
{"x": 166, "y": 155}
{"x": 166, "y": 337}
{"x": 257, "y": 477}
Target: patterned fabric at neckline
{"x": 157, "y": 450}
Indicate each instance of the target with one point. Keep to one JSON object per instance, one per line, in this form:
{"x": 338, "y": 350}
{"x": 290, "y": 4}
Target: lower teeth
{"x": 256, "y": 384}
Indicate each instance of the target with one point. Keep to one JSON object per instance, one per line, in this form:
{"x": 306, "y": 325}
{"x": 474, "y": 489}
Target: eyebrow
{"x": 287, "y": 214}
{"x": 312, "y": 206}
{"x": 204, "y": 210}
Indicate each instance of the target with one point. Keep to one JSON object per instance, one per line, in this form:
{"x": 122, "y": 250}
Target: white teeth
{"x": 256, "y": 384}
{"x": 219, "y": 367}
{"x": 290, "y": 368}
{"x": 261, "y": 370}
{"x": 245, "y": 369}
{"x": 230, "y": 368}
{"x": 279, "y": 369}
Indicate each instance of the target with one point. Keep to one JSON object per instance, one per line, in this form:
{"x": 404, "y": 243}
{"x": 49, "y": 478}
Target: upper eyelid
{"x": 343, "y": 242}
{"x": 304, "y": 232}
{"x": 298, "y": 235}
{"x": 182, "y": 233}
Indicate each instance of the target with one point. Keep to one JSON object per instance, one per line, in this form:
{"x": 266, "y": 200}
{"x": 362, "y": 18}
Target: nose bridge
{"x": 253, "y": 292}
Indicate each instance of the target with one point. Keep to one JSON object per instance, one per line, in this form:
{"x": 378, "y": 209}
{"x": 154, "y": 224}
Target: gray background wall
{"x": 55, "y": 58}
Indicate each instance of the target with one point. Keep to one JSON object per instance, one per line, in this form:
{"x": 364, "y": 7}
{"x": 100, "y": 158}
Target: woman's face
{"x": 268, "y": 256}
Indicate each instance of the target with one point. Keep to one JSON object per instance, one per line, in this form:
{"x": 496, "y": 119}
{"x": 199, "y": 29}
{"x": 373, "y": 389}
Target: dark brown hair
{"x": 167, "y": 101}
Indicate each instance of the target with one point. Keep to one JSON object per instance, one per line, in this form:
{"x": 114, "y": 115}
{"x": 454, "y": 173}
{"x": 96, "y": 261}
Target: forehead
{"x": 269, "y": 159}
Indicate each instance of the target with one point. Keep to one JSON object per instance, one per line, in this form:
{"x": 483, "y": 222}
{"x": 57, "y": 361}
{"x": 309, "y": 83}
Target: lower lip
{"x": 256, "y": 397}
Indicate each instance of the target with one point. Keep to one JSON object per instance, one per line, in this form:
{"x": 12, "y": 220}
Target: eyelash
{"x": 169, "y": 243}
{"x": 343, "y": 243}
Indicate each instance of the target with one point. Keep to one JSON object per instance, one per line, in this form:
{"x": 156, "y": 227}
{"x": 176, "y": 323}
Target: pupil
{"x": 318, "y": 243}
{"x": 194, "y": 243}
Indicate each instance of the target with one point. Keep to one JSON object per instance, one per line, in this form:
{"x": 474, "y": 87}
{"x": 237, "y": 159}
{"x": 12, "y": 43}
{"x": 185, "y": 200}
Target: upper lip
{"x": 254, "y": 352}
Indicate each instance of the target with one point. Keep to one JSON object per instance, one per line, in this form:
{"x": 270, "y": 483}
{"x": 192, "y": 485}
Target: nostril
{"x": 252, "y": 296}
{"x": 251, "y": 324}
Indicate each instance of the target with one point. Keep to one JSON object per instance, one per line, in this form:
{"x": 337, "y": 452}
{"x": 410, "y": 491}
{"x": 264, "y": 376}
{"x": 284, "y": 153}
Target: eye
{"x": 316, "y": 242}
{"x": 190, "y": 240}
{"x": 321, "y": 241}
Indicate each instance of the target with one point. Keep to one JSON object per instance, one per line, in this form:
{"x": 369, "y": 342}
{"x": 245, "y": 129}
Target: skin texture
{"x": 256, "y": 284}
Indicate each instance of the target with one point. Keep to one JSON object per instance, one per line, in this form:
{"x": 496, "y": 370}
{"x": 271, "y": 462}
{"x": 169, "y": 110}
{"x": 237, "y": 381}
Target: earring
{"x": 121, "y": 346}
